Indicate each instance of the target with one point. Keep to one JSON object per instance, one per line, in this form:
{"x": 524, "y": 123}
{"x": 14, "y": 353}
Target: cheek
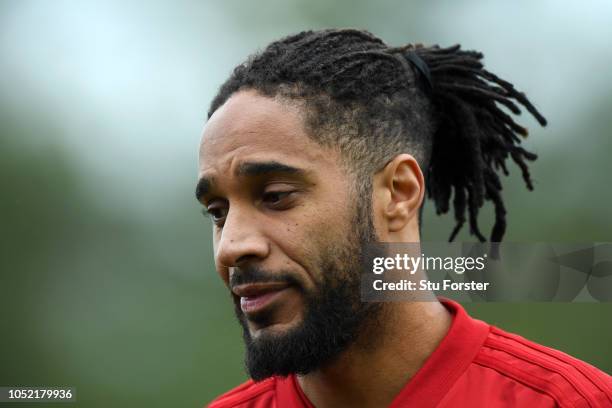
{"x": 307, "y": 240}
{"x": 222, "y": 271}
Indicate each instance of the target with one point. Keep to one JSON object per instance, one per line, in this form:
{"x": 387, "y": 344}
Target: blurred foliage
{"x": 106, "y": 275}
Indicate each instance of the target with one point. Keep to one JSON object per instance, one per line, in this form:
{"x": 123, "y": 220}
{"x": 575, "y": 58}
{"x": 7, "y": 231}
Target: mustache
{"x": 255, "y": 274}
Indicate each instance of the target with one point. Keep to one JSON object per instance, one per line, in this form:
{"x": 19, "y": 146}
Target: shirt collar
{"x": 449, "y": 360}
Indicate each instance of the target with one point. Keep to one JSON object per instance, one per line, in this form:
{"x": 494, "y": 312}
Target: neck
{"x": 373, "y": 370}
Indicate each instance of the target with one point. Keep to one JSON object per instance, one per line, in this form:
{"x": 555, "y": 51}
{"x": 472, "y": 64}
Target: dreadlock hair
{"x": 374, "y": 102}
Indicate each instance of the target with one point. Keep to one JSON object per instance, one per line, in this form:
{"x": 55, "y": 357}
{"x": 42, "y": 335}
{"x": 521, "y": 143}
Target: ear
{"x": 398, "y": 192}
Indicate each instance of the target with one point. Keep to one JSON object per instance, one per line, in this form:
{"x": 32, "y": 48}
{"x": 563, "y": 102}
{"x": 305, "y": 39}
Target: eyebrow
{"x": 203, "y": 187}
{"x": 261, "y": 168}
{"x": 250, "y": 169}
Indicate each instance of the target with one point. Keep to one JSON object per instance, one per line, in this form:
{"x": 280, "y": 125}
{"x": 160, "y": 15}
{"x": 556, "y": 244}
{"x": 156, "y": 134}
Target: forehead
{"x": 253, "y": 127}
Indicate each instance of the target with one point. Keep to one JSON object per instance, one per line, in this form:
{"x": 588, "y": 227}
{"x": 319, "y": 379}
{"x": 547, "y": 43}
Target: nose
{"x": 241, "y": 240}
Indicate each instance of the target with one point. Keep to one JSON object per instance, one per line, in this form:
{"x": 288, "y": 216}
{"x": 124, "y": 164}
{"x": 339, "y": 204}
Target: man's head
{"x": 289, "y": 230}
{"x": 318, "y": 145}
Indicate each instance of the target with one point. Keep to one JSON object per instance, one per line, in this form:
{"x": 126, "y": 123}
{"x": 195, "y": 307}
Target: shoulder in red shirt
{"x": 475, "y": 365}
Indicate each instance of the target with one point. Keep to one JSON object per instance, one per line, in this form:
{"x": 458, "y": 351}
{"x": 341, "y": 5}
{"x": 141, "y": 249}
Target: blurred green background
{"x": 106, "y": 271}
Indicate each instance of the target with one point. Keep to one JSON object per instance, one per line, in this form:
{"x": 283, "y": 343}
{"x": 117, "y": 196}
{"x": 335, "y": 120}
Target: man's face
{"x": 288, "y": 233}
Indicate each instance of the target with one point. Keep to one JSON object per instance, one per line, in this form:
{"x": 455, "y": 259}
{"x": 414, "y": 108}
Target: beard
{"x": 333, "y": 317}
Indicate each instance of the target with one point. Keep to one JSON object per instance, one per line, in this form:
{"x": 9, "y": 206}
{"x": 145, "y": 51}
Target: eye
{"x": 275, "y": 197}
{"x": 216, "y": 213}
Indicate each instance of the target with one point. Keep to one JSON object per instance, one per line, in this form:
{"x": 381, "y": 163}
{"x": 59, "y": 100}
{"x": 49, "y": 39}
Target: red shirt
{"x": 475, "y": 365}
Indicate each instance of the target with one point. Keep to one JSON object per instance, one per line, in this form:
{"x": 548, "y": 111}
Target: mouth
{"x": 257, "y": 296}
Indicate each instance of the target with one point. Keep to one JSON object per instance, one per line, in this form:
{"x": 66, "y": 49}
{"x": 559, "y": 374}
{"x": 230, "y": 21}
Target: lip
{"x": 255, "y": 297}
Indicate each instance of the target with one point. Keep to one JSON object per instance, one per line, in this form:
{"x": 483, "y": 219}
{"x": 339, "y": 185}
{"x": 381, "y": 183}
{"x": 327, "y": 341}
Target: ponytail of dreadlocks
{"x": 374, "y": 102}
